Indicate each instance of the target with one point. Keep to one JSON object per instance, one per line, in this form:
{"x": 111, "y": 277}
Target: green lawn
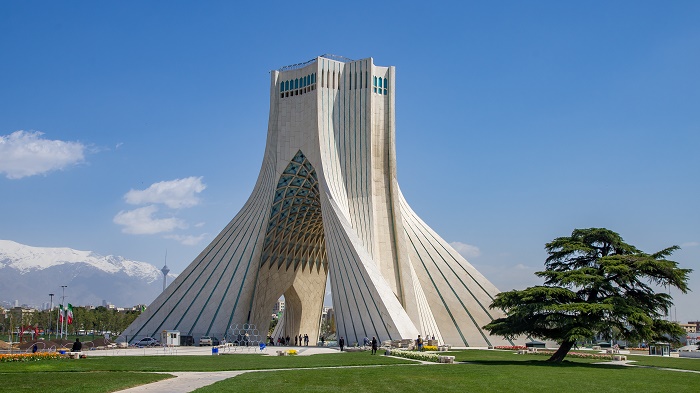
{"x": 499, "y": 376}
{"x": 89, "y": 382}
{"x": 486, "y": 371}
{"x": 667, "y": 362}
{"x": 198, "y": 363}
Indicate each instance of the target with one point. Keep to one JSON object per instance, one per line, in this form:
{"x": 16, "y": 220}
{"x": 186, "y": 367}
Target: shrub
{"x": 428, "y": 357}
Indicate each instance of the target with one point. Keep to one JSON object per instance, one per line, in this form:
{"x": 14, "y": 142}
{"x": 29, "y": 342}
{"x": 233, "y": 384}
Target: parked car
{"x": 147, "y": 342}
{"x": 204, "y": 340}
{"x": 215, "y": 341}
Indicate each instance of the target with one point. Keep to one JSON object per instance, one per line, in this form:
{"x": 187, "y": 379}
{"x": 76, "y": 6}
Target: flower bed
{"x": 578, "y": 355}
{"x": 428, "y": 357}
{"x": 430, "y": 348}
{"x": 511, "y": 347}
{"x": 30, "y": 357}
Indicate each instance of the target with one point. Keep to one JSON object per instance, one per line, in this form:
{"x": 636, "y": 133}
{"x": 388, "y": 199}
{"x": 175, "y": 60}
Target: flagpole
{"x": 58, "y": 318}
{"x": 63, "y": 308}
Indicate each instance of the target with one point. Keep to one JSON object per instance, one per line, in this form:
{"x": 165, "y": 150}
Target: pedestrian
{"x": 34, "y": 348}
{"x": 419, "y": 343}
{"x": 287, "y": 341}
{"x": 341, "y": 342}
{"x": 374, "y": 345}
{"x": 306, "y": 340}
{"x": 295, "y": 341}
{"x": 323, "y": 340}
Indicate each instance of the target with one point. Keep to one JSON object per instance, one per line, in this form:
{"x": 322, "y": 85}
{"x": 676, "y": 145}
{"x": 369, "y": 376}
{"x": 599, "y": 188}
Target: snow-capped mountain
{"x": 29, "y": 273}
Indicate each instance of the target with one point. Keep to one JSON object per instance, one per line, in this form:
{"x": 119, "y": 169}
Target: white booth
{"x": 170, "y": 338}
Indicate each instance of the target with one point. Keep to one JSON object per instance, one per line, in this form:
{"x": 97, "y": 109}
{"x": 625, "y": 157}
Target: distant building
{"x": 689, "y": 327}
{"x": 279, "y": 307}
{"x": 21, "y": 315}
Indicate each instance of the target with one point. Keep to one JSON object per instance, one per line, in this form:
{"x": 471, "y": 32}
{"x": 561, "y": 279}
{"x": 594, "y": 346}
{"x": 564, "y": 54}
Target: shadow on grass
{"x": 542, "y": 363}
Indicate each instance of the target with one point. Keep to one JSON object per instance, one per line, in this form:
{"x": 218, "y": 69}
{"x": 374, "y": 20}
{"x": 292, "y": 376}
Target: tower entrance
{"x": 293, "y": 261}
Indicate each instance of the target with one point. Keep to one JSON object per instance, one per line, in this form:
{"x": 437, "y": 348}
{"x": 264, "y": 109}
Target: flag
{"x": 60, "y": 314}
{"x": 69, "y": 314}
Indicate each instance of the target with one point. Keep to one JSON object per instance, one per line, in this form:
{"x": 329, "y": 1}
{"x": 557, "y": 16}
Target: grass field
{"x": 88, "y": 382}
{"x": 197, "y": 363}
{"x": 487, "y": 371}
{"x": 519, "y": 376}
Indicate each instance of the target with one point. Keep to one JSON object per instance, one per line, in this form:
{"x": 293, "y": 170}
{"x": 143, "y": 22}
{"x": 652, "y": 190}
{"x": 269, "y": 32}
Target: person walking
{"x": 374, "y": 345}
{"x": 295, "y": 341}
{"x": 341, "y": 342}
{"x": 419, "y": 343}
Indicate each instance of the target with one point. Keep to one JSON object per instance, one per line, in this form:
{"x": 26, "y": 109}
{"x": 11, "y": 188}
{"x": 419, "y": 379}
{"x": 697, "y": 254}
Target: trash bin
{"x": 214, "y": 350}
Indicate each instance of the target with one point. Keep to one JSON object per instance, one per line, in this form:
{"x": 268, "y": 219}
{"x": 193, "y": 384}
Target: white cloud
{"x": 26, "y": 153}
{"x": 199, "y": 225}
{"x": 690, "y": 244}
{"x": 176, "y": 194}
{"x": 466, "y": 250}
{"x": 141, "y": 221}
{"x": 187, "y": 240}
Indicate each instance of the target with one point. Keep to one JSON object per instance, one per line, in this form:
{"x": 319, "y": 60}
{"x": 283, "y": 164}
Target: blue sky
{"x": 143, "y": 123}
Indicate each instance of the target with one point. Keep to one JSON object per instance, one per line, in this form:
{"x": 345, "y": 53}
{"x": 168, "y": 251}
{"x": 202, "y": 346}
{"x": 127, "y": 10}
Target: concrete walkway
{"x": 630, "y": 363}
{"x": 189, "y": 381}
{"x": 206, "y": 351}
{"x": 185, "y": 382}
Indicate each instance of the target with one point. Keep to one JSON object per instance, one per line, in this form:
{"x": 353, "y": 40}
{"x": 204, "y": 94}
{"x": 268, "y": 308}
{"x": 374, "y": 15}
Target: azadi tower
{"x": 327, "y": 208}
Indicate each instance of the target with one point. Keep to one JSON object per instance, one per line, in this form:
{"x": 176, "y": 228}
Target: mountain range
{"x": 28, "y": 274}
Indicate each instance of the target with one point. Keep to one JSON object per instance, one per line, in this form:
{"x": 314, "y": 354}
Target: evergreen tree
{"x": 594, "y": 282}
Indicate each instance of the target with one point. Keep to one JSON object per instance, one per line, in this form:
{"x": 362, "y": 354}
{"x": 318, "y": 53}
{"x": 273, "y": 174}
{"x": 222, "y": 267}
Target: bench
{"x": 446, "y": 359}
{"x": 619, "y": 358}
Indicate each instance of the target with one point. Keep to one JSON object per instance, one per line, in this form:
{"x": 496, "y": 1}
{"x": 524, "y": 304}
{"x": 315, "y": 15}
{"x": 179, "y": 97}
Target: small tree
{"x": 594, "y": 282}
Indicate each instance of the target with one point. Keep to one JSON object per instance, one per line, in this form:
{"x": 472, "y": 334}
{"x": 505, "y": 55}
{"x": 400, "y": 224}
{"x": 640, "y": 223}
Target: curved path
{"x": 188, "y": 381}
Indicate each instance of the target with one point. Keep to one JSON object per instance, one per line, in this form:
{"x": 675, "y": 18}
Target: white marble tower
{"x": 327, "y": 204}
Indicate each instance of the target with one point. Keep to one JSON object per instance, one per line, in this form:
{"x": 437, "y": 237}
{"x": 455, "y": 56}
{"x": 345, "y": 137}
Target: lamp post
{"x": 50, "y": 311}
